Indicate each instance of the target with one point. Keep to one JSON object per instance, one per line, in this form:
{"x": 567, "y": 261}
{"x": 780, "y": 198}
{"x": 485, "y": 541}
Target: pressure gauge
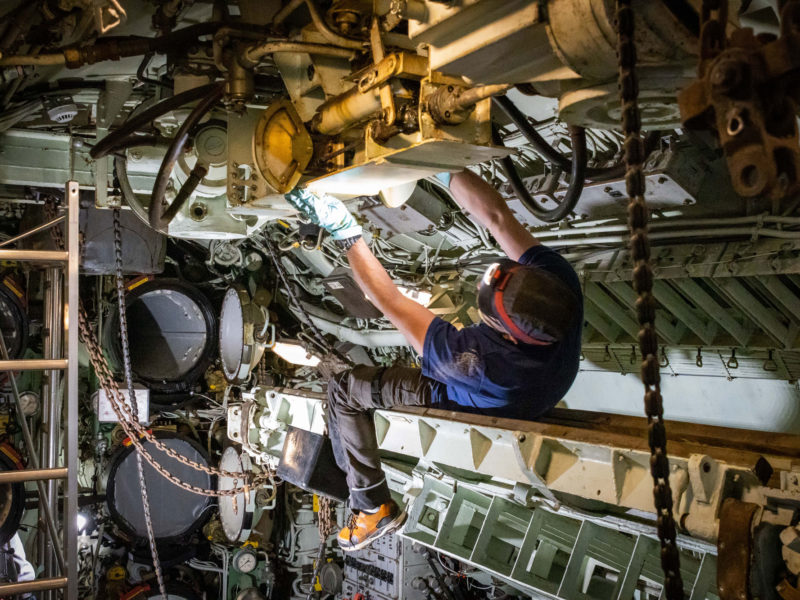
{"x": 245, "y": 560}
{"x": 29, "y": 401}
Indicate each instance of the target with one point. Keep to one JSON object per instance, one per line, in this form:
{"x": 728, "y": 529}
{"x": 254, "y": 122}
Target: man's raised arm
{"x": 410, "y": 318}
{"x": 489, "y": 208}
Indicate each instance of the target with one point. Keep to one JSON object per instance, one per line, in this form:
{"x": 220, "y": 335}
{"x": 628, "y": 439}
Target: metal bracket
{"x": 703, "y": 476}
{"x": 108, "y": 14}
{"x": 395, "y": 64}
{"x": 110, "y": 103}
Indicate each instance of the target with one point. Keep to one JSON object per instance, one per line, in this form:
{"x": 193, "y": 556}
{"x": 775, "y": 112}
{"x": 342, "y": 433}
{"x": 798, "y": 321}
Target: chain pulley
{"x": 747, "y": 92}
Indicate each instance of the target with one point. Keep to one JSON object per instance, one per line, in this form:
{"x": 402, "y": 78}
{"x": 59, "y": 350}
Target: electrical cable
{"x": 267, "y": 245}
{"x": 447, "y": 591}
{"x": 577, "y": 177}
{"x": 141, "y": 73}
{"x": 595, "y": 174}
{"x": 121, "y": 168}
{"x": 535, "y": 139}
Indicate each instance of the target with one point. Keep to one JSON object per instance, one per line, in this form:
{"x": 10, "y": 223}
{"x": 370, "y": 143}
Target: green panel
{"x": 545, "y": 551}
{"x": 501, "y": 538}
{"x": 463, "y": 522}
{"x": 427, "y": 513}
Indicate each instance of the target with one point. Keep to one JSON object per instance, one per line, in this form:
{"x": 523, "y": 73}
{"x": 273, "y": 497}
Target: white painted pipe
{"x": 370, "y": 339}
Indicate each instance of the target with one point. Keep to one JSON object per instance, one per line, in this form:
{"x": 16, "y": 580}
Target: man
{"x": 518, "y": 363}
{"x": 14, "y": 566}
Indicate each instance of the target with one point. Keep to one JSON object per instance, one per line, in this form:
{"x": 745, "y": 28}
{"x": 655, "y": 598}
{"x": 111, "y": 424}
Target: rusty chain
{"x": 645, "y": 303}
{"x": 135, "y": 431}
{"x": 123, "y": 334}
{"x": 713, "y": 37}
{"x": 327, "y": 526}
{"x": 131, "y": 426}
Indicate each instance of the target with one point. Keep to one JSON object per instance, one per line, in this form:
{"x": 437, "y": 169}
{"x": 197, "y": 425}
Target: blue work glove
{"x": 326, "y": 211}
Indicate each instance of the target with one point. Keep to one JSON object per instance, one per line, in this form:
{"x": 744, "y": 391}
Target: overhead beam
{"x": 610, "y": 308}
{"x": 598, "y": 321}
{"x": 752, "y": 308}
{"x": 671, "y": 334}
{"x": 712, "y": 308}
{"x": 687, "y": 314}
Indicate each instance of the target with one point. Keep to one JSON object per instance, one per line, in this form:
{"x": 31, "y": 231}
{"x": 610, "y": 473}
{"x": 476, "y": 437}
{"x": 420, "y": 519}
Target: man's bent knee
{"x": 354, "y": 388}
{"x": 338, "y": 387}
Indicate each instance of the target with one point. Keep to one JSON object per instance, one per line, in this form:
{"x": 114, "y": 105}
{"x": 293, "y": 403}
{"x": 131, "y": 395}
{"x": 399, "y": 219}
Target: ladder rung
{"x": 37, "y": 585}
{"x": 23, "y": 475}
{"x": 33, "y": 364}
{"x": 34, "y": 255}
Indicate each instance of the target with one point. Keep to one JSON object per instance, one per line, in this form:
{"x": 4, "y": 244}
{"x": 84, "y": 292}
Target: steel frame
{"x": 61, "y": 317}
{"x": 600, "y": 457}
{"x": 488, "y": 491}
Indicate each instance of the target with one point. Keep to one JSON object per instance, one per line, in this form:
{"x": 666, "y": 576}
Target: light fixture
{"x": 82, "y": 521}
{"x": 293, "y": 352}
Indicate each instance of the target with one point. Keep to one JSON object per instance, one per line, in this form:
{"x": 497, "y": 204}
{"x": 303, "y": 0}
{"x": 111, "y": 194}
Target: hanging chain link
{"x": 645, "y": 303}
{"x": 327, "y": 525}
{"x": 136, "y": 432}
{"x": 713, "y": 26}
{"x": 126, "y": 359}
{"x": 133, "y": 429}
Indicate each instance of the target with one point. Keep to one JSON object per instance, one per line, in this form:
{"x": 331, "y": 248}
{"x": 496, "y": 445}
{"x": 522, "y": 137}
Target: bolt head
{"x": 728, "y": 76}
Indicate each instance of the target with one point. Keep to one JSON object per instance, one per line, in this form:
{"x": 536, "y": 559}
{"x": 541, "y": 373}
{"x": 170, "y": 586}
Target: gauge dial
{"x": 29, "y": 401}
{"x": 245, "y": 561}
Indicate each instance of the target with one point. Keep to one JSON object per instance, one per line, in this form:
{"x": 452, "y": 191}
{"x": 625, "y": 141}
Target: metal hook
{"x": 607, "y": 355}
{"x": 770, "y": 365}
{"x": 733, "y": 362}
{"x": 633, "y": 354}
{"x": 699, "y": 359}
{"x": 664, "y": 362}
{"x": 261, "y": 336}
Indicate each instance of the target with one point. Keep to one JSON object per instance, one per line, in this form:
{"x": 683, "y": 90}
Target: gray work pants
{"x": 352, "y": 397}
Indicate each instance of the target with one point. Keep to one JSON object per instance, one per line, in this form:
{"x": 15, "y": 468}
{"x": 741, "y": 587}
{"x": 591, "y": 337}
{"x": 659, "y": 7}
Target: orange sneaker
{"x": 364, "y": 528}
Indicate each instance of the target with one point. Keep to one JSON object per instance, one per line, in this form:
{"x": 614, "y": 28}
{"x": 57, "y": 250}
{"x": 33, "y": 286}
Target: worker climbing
{"x": 518, "y": 363}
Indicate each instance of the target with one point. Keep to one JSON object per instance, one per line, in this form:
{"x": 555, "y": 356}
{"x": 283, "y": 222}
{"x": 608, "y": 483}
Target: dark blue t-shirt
{"x": 485, "y": 373}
